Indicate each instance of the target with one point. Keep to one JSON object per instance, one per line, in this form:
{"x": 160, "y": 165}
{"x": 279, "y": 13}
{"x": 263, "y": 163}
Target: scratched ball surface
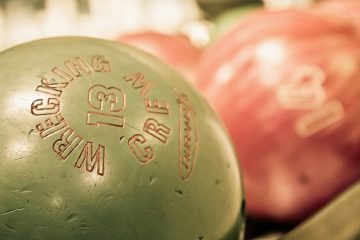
{"x": 286, "y": 84}
{"x": 103, "y": 141}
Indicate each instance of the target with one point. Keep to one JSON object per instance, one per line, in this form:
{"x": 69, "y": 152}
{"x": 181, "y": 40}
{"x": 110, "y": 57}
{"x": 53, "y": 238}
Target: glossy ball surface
{"x": 286, "y": 83}
{"x": 103, "y": 141}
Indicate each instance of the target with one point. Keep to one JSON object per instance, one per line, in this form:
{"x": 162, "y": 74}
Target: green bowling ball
{"x": 101, "y": 141}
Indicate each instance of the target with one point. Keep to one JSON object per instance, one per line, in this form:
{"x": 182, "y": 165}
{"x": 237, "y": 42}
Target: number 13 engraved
{"x": 107, "y": 105}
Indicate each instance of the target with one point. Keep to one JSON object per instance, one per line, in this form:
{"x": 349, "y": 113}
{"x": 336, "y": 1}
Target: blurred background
{"x": 25, "y": 20}
{"x": 284, "y": 75}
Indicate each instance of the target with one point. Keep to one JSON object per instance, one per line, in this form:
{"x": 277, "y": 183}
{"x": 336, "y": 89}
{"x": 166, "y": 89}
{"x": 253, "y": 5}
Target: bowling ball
{"x": 103, "y": 141}
{"x": 339, "y": 10}
{"x": 176, "y": 50}
{"x": 286, "y": 84}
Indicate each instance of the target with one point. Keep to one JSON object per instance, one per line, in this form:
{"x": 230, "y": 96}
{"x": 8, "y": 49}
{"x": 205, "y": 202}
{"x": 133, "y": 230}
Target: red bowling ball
{"x": 176, "y": 50}
{"x": 287, "y": 85}
{"x": 340, "y": 10}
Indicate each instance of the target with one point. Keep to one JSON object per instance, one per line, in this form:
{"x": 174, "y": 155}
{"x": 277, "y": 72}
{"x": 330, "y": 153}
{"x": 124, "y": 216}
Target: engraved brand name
{"x": 60, "y": 78}
{"x": 139, "y": 143}
{"x": 67, "y": 140}
{"x": 188, "y": 142}
{"x": 107, "y": 106}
